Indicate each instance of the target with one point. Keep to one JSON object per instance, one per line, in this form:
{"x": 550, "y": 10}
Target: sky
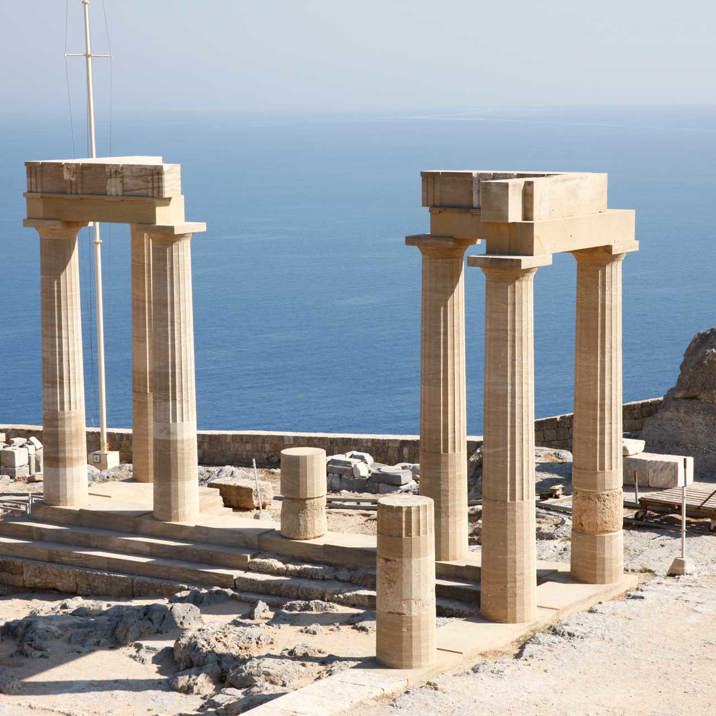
{"x": 373, "y": 55}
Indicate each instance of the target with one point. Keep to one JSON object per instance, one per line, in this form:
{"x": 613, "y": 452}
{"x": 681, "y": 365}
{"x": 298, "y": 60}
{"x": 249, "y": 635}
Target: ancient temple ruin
{"x": 524, "y": 218}
{"x": 62, "y": 198}
{"x": 137, "y": 537}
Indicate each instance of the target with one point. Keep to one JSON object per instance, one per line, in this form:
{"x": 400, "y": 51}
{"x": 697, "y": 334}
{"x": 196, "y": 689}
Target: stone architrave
{"x": 509, "y": 561}
{"x": 172, "y": 379}
{"x": 443, "y": 421}
{"x": 63, "y": 403}
{"x": 142, "y": 440}
{"x": 405, "y": 582}
{"x": 597, "y": 541}
{"x": 304, "y": 488}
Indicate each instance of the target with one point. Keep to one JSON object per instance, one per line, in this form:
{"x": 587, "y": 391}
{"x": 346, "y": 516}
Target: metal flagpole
{"x": 97, "y": 242}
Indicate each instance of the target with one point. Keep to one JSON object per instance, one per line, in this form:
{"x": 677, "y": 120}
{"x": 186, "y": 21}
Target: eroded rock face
{"x": 84, "y": 626}
{"x": 685, "y": 424}
{"x": 224, "y": 646}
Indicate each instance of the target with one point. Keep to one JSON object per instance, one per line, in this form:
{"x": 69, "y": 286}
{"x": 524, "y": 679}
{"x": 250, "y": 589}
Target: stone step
{"x": 233, "y": 530}
{"x": 220, "y": 555}
{"x": 458, "y": 591}
{"x": 105, "y": 560}
{"x": 453, "y": 598}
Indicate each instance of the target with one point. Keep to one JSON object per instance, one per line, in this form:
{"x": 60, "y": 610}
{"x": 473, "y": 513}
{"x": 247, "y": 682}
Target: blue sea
{"x": 307, "y": 302}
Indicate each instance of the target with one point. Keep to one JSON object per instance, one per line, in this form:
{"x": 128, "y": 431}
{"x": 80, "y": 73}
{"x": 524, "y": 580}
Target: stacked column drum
{"x": 303, "y": 486}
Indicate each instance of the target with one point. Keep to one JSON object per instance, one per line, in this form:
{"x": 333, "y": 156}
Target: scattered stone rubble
{"x": 358, "y": 472}
{"x": 124, "y": 471}
{"x": 21, "y": 458}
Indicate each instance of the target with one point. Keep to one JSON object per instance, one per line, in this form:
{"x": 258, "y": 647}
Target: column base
{"x": 597, "y": 559}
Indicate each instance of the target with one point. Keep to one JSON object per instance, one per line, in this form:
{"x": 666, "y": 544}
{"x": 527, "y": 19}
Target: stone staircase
{"x": 48, "y": 549}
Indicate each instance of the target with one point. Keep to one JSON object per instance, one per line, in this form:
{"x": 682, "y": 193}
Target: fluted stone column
{"x": 142, "y": 458}
{"x": 405, "y": 582}
{"x": 63, "y": 402}
{"x": 443, "y": 422}
{"x": 597, "y": 542}
{"x": 172, "y": 380}
{"x": 509, "y": 564}
{"x": 303, "y": 488}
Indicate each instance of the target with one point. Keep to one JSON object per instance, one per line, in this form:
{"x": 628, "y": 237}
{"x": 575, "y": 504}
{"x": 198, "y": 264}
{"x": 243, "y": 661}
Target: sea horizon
{"x": 307, "y": 302}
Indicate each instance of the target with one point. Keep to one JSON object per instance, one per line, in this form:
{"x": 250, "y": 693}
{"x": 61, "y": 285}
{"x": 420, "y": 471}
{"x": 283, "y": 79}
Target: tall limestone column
{"x": 509, "y": 562}
{"x": 63, "y": 400}
{"x": 142, "y": 458}
{"x": 443, "y": 422}
{"x": 172, "y": 380}
{"x": 597, "y": 542}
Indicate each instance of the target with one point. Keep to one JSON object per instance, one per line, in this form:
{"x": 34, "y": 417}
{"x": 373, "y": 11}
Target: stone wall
{"x": 239, "y": 447}
{"x": 556, "y": 431}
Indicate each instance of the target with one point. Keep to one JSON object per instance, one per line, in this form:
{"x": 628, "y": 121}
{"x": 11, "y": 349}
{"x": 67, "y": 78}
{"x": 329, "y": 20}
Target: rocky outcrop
{"x": 685, "y": 424}
{"x": 88, "y": 625}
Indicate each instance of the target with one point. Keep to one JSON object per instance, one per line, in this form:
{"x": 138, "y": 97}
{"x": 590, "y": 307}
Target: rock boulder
{"x": 685, "y": 424}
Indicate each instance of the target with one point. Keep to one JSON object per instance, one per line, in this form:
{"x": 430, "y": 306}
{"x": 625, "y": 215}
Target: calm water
{"x": 307, "y": 302}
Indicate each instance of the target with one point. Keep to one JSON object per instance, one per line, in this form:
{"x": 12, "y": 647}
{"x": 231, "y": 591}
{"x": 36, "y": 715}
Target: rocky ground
{"x": 200, "y": 651}
{"x": 208, "y": 652}
{"x": 653, "y": 653}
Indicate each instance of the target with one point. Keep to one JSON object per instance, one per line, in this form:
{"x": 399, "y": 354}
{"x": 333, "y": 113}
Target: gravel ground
{"x": 651, "y": 653}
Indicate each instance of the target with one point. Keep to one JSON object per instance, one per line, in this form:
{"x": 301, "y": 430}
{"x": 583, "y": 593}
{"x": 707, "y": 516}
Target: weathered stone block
{"x": 42, "y": 575}
{"x": 658, "y": 471}
{"x": 361, "y": 456}
{"x": 12, "y": 572}
{"x": 241, "y": 493}
{"x": 104, "y": 584}
{"x": 13, "y": 457}
{"x": 631, "y": 446}
{"x": 390, "y": 476}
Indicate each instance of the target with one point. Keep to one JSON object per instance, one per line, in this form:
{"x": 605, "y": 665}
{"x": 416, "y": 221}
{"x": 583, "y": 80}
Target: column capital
{"x": 172, "y": 231}
{"x": 52, "y": 229}
{"x": 605, "y": 254}
{"x": 439, "y": 246}
{"x": 509, "y": 265}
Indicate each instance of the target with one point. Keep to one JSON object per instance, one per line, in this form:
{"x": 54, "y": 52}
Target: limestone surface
{"x": 242, "y": 494}
{"x": 405, "y": 595}
{"x": 685, "y": 424}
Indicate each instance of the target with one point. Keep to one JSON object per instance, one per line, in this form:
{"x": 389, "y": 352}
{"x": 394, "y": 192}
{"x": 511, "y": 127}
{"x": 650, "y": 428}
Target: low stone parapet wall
{"x": 240, "y": 447}
{"x": 556, "y": 431}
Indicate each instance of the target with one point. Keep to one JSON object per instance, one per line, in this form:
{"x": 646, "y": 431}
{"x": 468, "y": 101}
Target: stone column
{"x": 63, "y": 401}
{"x": 172, "y": 379}
{"x": 509, "y": 563}
{"x": 142, "y": 458}
{"x": 443, "y": 422}
{"x": 597, "y": 543}
{"x": 405, "y": 582}
{"x": 303, "y": 487}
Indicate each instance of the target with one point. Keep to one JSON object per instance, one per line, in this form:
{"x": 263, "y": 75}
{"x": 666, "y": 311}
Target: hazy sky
{"x": 304, "y": 55}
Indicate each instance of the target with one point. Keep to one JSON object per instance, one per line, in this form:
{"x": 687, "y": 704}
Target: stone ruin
{"x": 21, "y": 458}
{"x": 524, "y": 218}
{"x": 356, "y": 471}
